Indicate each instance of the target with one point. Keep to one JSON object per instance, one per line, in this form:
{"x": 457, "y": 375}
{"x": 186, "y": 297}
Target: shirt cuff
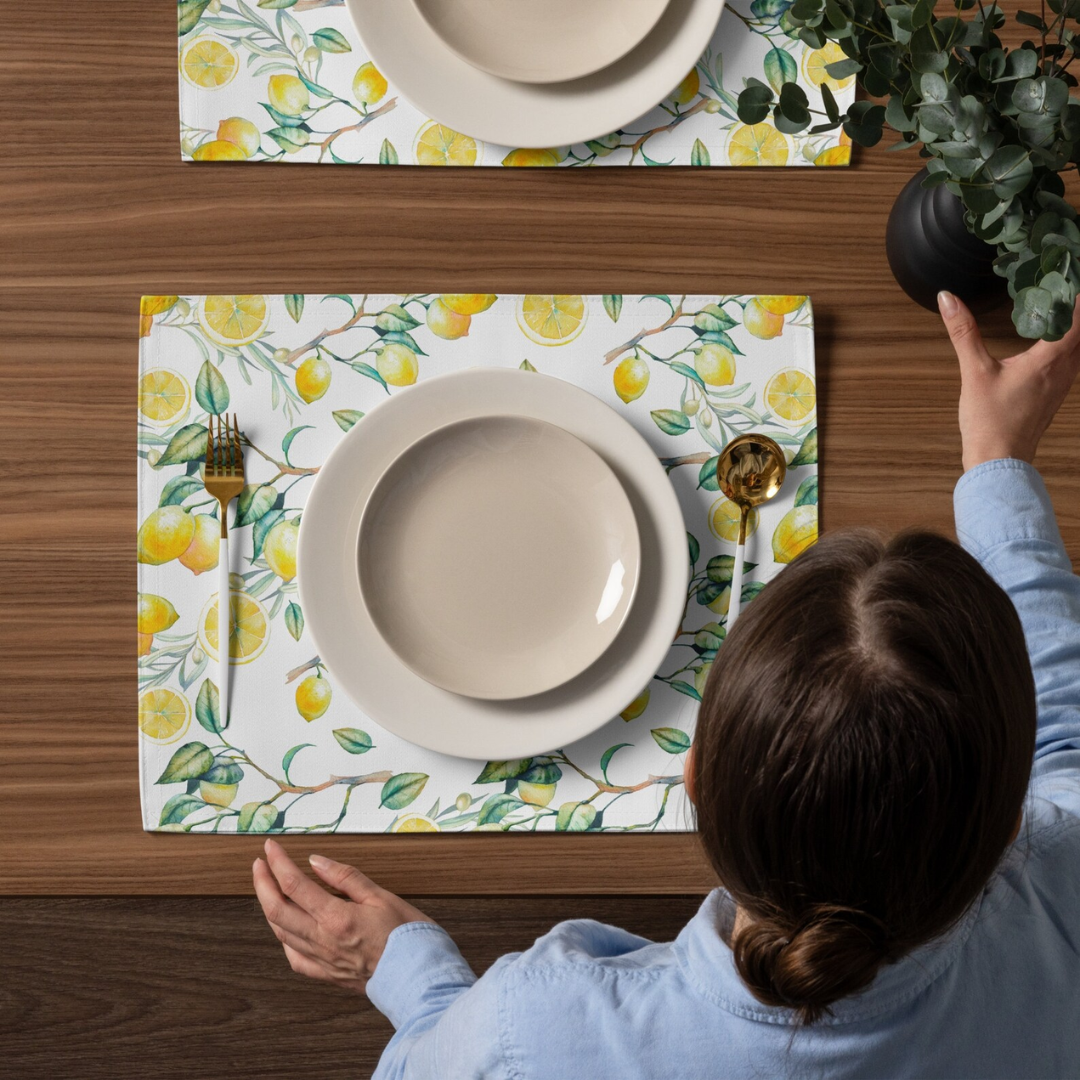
{"x": 418, "y": 956}
{"x": 1001, "y": 501}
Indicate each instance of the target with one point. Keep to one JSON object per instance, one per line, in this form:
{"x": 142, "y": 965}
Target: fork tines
{"x": 224, "y": 456}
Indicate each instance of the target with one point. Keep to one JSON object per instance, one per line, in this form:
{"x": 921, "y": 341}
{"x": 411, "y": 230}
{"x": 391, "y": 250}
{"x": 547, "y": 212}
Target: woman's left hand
{"x": 326, "y": 937}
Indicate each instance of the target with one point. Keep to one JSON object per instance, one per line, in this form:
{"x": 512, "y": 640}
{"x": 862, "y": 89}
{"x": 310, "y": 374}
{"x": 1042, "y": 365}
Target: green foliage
{"x": 996, "y": 126}
{"x": 400, "y": 790}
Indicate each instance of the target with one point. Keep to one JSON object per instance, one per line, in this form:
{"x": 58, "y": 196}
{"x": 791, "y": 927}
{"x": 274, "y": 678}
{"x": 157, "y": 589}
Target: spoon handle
{"x": 735, "y": 604}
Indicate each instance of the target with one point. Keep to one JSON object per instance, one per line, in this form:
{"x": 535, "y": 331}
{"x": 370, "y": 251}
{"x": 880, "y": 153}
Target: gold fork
{"x": 224, "y": 480}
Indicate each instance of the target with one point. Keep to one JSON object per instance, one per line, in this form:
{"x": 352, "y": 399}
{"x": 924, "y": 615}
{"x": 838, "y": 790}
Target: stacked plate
{"x": 493, "y": 564}
{"x": 535, "y": 73}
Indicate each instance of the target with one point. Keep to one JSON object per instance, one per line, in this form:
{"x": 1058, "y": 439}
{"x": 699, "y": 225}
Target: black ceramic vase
{"x": 930, "y": 249}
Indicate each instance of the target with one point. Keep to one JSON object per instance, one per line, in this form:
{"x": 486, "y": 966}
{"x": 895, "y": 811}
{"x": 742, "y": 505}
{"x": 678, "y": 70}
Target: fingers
{"x": 294, "y": 884}
{"x": 304, "y": 965}
{"x": 963, "y": 332}
{"x": 279, "y": 911}
{"x": 347, "y": 879}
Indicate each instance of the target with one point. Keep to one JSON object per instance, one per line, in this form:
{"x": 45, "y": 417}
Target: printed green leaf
{"x": 178, "y": 489}
{"x": 208, "y": 708}
{"x": 330, "y": 40}
{"x": 188, "y": 444}
{"x": 188, "y": 13}
{"x": 191, "y": 761}
{"x": 695, "y": 547}
{"x": 369, "y": 372}
{"x": 671, "y": 421}
{"x": 780, "y": 68}
{"x": 671, "y": 740}
{"x": 807, "y": 493}
{"x": 541, "y": 773}
{"x": 721, "y": 569}
{"x": 609, "y": 753}
{"x": 254, "y": 502}
{"x": 287, "y": 760}
{"x": 718, "y": 337}
{"x": 356, "y": 741}
{"x": 526, "y": 366}
{"x": 751, "y": 589}
{"x": 387, "y": 154}
{"x": 223, "y": 771}
{"x": 294, "y": 620}
{"x": 288, "y": 440}
{"x": 685, "y": 688}
{"x": 395, "y": 319}
{"x": 613, "y": 306}
{"x": 347, "y": 418}
{"x": 807, "y": 454}
{"x": 712, "y": 318}
{"x": 294, "y": 305}
{"x": 290, "y": 139}
{"x": 688, "y": 371}
{"x": 316, "y": 89}
{"x": 497, "y": 807}
{"x": 262, "y": 529}
{"x": 699, "y": 154}
{"x": 275, "y": 4}
{"x": 179, "y": 807}
{"x": 709, "y": 638}
{"x": 575, "y": 817}
{"x": 400, "y": 790}
{"x": 256, "y": 817}
{"x": 495, "y": 772}
{"x": 211, "y": 390}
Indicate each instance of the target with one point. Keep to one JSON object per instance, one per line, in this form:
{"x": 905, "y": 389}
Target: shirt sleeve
{"x": 1004, "y": 517}
{"x": 446, "y": 1020}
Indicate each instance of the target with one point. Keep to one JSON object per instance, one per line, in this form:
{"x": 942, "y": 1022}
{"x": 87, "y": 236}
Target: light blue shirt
{"x": 998, "y": 996}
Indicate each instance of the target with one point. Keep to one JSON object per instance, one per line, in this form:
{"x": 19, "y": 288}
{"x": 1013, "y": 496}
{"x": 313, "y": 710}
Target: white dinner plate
{"x": 498, "y": 557}
{"x": 370, "y": 672}
{"x": 449, "y": 89}
{"x": 541, "y": 41}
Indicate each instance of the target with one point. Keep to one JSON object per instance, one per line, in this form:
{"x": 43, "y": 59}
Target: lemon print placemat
{"x": 288, "y": 80}
{"x": 689, "y": 372}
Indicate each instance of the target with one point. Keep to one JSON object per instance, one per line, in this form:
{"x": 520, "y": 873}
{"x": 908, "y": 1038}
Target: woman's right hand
{"x": 1007, "y": 405}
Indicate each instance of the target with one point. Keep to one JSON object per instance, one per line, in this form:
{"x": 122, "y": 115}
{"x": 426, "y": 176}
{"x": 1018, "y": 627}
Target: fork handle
{"x": 224, "y": 624}
{"x": 735, "y": 603}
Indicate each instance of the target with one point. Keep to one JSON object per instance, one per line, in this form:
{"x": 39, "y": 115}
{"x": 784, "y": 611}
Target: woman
{"x": 902, "y": 884}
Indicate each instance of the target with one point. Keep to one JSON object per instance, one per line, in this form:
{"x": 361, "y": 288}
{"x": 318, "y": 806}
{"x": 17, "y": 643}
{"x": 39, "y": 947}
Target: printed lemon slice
{"x": 758, "y": 144}
{"x": 437, "y": 144}
{"x": 250, "y": 628}
{"x": 724, "y": 521}
{"x": 552, "y": 320}
{"x": 209, "y": 64}
{"x": 233, "y": 320}
{"x": 791, "y": 395}
{"x": 815, "y": 62}
{"x": 164, "y": 715}
{"x": 416, "y": 823}
{"x": 164, "y": 396}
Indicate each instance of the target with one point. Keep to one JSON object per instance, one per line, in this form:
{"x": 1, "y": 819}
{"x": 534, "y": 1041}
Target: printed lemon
{"x": 155, "y": 614}
{"x": 233, "y": 320}
{"x": 146, "y": 643}
{"x": 724, "y": 520}
{"x": 791, "y": 395}
{"x": 437, "y": 144}
{"x": 219, "y": 150}
{"x": 164, "y": 396}
{"x": 532, "y": 159}
{"x": 209, "y": 64}
{"x": 416, "y": 823}
{"x": 445, "y": 323}
{"x": 835, "y": 155}
{"x": 313, "y": 697}
{"x": 240, "y": 132}
{"x": 217, "y": 794}
{"x": 468, "y": 303}
{"x": 288, "y": 94}
{"x": 637, "y": 706}
{"x": 631, "y": 378}
{"x": 280, "y": 549}
{"x": 757, "y": 144}
{"x": 761, "y": 322}
{"x": 156, "y": 305}
{"x": 165, "y": 535}
{"x": 397, "y": 365}
{"x": 313, "y": 378}
{"x": 798, "y": 530}
{"x": 164, "y": 715}
{"x": 368, "y": 85}
{"x": 701, "y": 676}
{"x": 552, "y": 320}
{"x": 202, "y": 553}
{"x": 781, "y": 305}
{"x": 715, "y": 364}
{"x": 815, "y": 62}
{"x": 250, "y": 629}
{"x": 720, "y": 605}
{"x": 688, "y": 89}
{"x": 536, "y": 794}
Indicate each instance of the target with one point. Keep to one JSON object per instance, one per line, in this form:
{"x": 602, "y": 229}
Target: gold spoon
{"x": 750, "y": 472}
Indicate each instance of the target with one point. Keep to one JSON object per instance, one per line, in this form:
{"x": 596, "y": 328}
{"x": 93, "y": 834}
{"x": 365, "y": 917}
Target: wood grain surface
{"x": 158, "y": 989}
{"x": 96, "y": 208}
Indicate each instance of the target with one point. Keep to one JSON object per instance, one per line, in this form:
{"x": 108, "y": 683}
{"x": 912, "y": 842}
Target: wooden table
{"x": 96, "y": 208}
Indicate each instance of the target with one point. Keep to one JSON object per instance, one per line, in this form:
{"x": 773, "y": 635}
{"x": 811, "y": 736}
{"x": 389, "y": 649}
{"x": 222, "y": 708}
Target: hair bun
{"x": 830, "y": 953}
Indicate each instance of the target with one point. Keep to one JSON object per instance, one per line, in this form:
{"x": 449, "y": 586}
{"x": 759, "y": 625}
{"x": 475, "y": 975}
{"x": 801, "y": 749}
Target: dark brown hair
{"x": 861, "y": 759}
